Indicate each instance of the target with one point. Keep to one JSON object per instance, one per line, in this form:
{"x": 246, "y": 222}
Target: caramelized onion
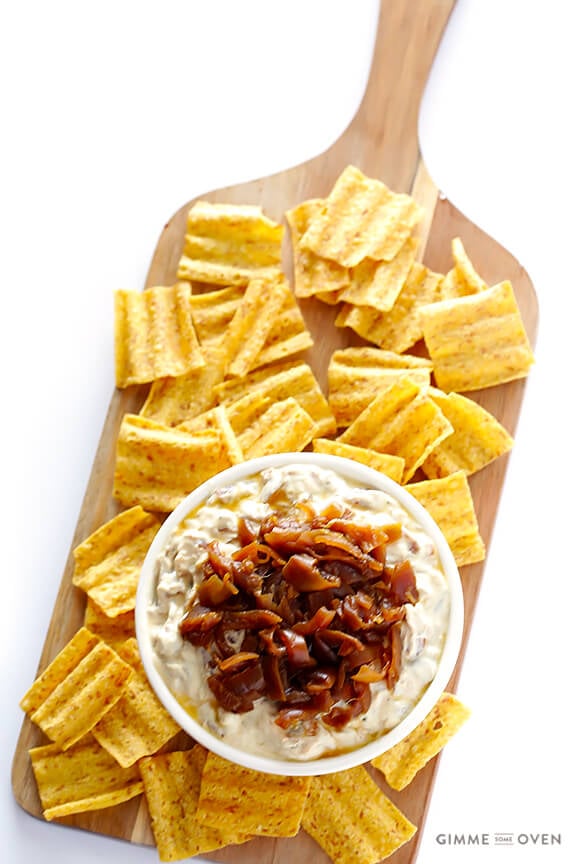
{"x": 297, "y": 652}
{"x": 303, "y": 572}
{"x": 234, "y": 661}
{"x": 321, "y": 619}
{"x": 306, "y": 613}
{"x": 199, "y": 621}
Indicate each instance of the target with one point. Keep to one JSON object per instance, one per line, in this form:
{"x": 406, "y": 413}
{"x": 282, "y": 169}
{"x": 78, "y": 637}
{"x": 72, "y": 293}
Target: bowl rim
{"x": 363, "y": 475}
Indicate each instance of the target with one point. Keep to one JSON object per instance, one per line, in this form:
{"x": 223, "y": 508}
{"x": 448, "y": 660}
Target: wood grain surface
{"x": 382, "y": 141}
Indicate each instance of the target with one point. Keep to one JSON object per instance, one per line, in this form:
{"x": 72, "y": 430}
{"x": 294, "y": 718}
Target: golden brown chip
{"x": 61, "y": 666}
{"x": 399, "y": 328}
{"x": 107, "y": 564}
{"x": 212, "y": 312}
{"x": 83, "y": 778}
{"x": 157, "y": 466}
{"x": 262, "y": 804}
{"x": 377, "y": 284}
{"x": 154, "y": 334}
{"x": 229, "y": 244}
{"x": 449, "y": 502}
{"x": 77, "y": 689}
{"x": 357, "y": 375}
{"x": 275, "y": 383}
{"x": 477, "y": 341}
{"x": 282, "y": 428}
{"x": 392, "y": 466}
{"x": 367, "y": 356}
{"x": 252, "y": 324}
{"x": 403, "y": 421}
{"x": 462, "y": 279}
{"x": 361, "y": 218}
{"x": 352, "y": 820}
{"x": 217, "y": 418}
{"x": 402, "y": 762}
{"x": 138, "y": 725}
{"x": 172, "y": 401}
{"x": 478, "y": 438}
{"x": 110, "y": 630}
{"x": 172, "y": 786}
{"x": 245, "y": 413}
{"x": 329, "y": 297}
{"x": 288, "y": 335}
{"x": 313, "y": 276}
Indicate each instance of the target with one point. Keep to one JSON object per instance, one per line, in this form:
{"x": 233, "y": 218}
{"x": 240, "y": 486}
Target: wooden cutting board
{"x": 382, "y": 141}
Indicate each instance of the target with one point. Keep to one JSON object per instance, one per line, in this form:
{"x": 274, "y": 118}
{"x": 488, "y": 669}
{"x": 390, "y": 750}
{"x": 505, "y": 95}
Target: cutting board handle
{"x": 383, "y": 135}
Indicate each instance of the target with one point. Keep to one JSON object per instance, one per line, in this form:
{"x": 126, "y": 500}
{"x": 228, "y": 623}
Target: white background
{"x": 115, "y": 114}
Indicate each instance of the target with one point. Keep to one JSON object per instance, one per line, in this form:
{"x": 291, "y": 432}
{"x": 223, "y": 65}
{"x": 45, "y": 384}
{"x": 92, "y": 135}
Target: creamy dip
{"x": 183, "y": 666}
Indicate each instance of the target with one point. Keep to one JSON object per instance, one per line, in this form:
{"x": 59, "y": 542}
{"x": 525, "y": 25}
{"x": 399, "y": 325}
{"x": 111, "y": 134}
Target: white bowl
{"x": 363, "y": 476}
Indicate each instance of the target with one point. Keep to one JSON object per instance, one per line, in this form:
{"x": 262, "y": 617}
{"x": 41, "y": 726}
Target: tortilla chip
{"x": 257, "y": 426}
{"x": 154, "y": 335}
{"x": 367, "y": 356}
{"x": 76, "y": 689}
{"x": 212, "y": 312}
{"x": 288, "y": 335}
{"x": 171, "y": 401}
{"x": 275, "y": 383}
{"x": 392, "y": 466}
{"x": 244, "y": 413}
{"x": 357, "y": 375}
{"x": 463, "y": 278}
{"x": 252, "y": 323}
{"x": 352, "y": 820}
{"x": 138, "y": 725}
{"x": 172, "y": 786}
{"x": 83, "y": 778}
{"x": 449, "y": 502}
{"x": 361, "y": 218}
{"x": 402, "y": 762}
{"x": 108, "y": 562}
{"x": 229, "y": 244}
{"x": 378, "y": 283}
{"x": 61, "y": 666}
{"x": 110, "y": 630}
{"x": 313, "y": 276}
{"x": 477, "y": 440}
{"x": 329, "y": 297}
{"x": 399, "y": 328}
{"x": 262, "y": 804}
{"x": 217, "y": 418}
{"x": 477, "y": 341}
{"x": 403, "y": 421}
{"x": 284, "y": 427}
{"x": 157, "y": 467}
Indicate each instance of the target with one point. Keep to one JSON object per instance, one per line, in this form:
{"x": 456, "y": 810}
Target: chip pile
{"x": 221, "y": 352}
